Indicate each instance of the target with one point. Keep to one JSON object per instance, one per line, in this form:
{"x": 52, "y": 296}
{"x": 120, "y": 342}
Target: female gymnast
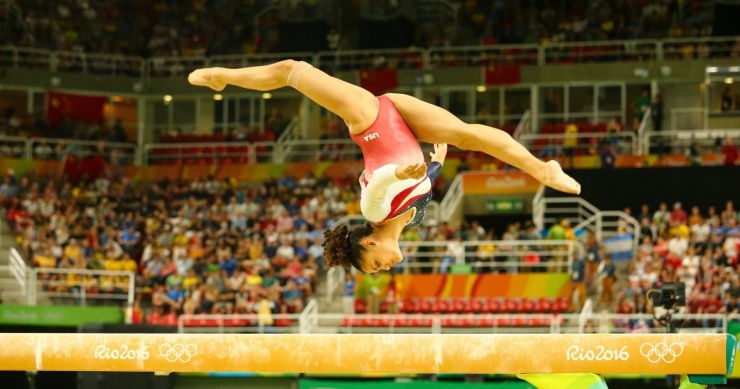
{"x": 396, "y": 183}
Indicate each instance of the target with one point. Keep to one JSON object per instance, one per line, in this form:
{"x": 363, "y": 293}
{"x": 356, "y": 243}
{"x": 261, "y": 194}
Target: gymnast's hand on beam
{"x": 209, "y": 77}
{"x": 413, "y": 171}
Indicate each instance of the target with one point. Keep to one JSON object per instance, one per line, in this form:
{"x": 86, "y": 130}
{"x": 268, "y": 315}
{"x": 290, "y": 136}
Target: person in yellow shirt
{"x": 113, "y": 264}
{"x": 72, "y": 256}
{"x": 128, "y": 264}
{"x": 680, "y": 229}
{"x": 254, "y": 279}
{"x": 180, "y": 238}
{"x": 485, "y": 253}
{"x": 191, "y": 280}
{"x": 353, "y": 204}
{"x": 45, "y": 259}
{"x": 118, "y": 282}
{"x": 570, "y": 141}
{"x": 107, "y": 283}
{"x": 264, "y": 312}
{"x": 256, "y": 249}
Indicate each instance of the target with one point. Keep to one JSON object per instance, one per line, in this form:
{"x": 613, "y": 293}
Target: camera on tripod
{"x": 668, "y": 297}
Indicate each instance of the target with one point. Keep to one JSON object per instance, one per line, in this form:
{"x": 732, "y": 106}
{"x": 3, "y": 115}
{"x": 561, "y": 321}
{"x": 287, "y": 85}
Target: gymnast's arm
{"x": 438, "y": 159}
{"x": 356, "y": 106}
{"x": 375, "y": 202}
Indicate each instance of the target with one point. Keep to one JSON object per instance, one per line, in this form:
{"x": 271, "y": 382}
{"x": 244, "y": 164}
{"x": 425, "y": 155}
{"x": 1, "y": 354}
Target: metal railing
{"x": 502, "y": 323}
{"x": 240, "y": 60}
{"x": 646, "y": 125}
{"x": 463, "y": 56}
{"x": 607, "y": 224}
{"x": 678, "y": 142}
{"x": 453, "y": 198}
{"x": 290, "y": 133}
{"x": 475, "y": 56}
{"x": 17, "y": 267}
{"x": 239, "y": 323}
{"x": 625, "y": 142}
{"x": 80, "y": 286}
{"x": 524, "y": 126}
{"x": 602, "y": 51}
{"x": 550, "y": 210}
{"x": 334, "y": 281}
{"x": 343, "y": 60}
{"x": 216, "y": 152}
{"x": 294, "y": 150}
{"x": 349, "y": 220}
{"x": 57, "y": 149}
{"x": 315, "y": 149}
{"x": 689, "y": 118}
{"x": 71, "y": 61}
{"x": 309, "y": 319}
{"x": 175, "y": 66}
{"x": 582, "y": 215}
{"x": 640, "y": 323}
{"x": 508, "y": 255}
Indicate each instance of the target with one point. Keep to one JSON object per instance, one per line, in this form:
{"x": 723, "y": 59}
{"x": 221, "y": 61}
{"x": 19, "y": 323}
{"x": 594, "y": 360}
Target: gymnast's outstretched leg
{"x": 359, "y": 108}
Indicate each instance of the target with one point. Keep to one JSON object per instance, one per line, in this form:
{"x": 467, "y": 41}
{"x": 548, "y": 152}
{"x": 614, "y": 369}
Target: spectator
{"x": 577, "y": 284}
{"x": 656, "y": 110}
{"x": 726, "y": 103}
{"x": 642, "y": 103}
{"x": 348, "y": 296}
{"x": 678, "y": 215}
{"x": 607, "y": 272}
{"x": 730, "y": 152}
{"x": 372, "y": 285}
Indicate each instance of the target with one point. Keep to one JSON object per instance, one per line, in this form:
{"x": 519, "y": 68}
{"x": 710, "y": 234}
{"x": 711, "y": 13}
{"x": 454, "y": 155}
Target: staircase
{"x": 11, "y": 290}
{"x": 329, "y": 303}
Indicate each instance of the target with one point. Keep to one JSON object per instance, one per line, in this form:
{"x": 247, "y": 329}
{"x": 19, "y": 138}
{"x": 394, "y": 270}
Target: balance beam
{"x": 413, "y": 353}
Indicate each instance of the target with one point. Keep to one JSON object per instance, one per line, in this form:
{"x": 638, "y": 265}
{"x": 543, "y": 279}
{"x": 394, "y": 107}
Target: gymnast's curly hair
{"x": 342, "y": 246}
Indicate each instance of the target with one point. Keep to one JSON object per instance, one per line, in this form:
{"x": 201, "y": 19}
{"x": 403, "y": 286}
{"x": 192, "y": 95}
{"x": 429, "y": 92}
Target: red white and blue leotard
{"x": 387, "y": 143}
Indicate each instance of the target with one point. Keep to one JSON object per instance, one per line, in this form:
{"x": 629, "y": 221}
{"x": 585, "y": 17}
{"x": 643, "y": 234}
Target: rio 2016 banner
{"x": 58, "y": 316}
{"x": 706, "y": 354}
{"x": 499, "y": 183}
{"x": 529, "y": 285}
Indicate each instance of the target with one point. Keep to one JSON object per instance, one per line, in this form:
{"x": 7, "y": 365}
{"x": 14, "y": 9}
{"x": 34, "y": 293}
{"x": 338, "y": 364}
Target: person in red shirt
{"x": 678, "y": 214}
{"x": 730, "y": 152}
{"x": 712, "y": 305}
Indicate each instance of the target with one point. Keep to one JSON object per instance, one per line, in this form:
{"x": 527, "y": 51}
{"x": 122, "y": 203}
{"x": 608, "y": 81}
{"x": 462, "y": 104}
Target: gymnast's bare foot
{"x": 209, "y": 77}
{"x": 555, "y": 178}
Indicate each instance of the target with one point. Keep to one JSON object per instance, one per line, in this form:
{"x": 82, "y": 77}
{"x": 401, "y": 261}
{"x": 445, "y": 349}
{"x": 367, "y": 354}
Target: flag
{"x": 379, "y": 81}
{"x": 503, "y": 74}
{"x": 620, "y": 247}
{"x": 78, "y": 107}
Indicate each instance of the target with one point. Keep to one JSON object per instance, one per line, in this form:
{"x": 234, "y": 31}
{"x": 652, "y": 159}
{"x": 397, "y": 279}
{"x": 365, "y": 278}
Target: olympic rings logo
{"x": 178, "y": 352}
{"x": 661, "y": 352}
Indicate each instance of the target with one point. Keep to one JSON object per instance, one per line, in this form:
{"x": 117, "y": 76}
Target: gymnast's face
{"x": 380, "y": 255}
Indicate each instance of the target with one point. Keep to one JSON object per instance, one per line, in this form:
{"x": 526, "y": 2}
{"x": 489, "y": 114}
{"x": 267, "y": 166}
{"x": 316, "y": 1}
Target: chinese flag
{"x": 503, "y": 74}
{"x": 379, "y": 81}
{"x": 78, "y": 107}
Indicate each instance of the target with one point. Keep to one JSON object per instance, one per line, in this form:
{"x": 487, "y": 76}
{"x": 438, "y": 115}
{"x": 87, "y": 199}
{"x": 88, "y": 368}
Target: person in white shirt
{"x": 661, "y": 215}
